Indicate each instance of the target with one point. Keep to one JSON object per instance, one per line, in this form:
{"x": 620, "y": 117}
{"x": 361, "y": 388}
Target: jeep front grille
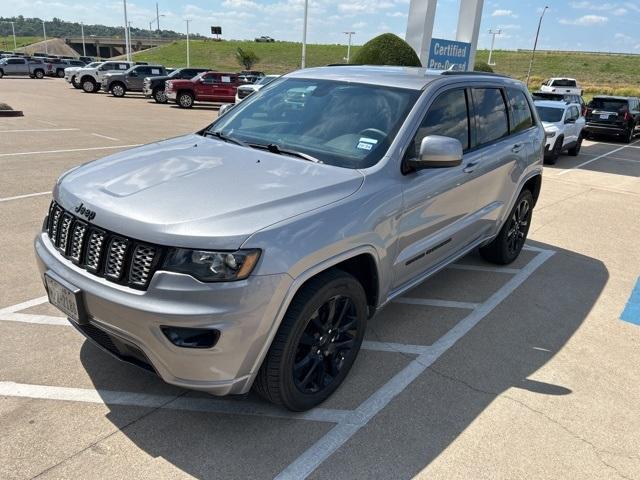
{"x": 119, "y": 259}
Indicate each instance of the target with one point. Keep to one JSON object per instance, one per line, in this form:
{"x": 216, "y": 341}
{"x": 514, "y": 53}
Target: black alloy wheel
{"x": 518, "y": 226}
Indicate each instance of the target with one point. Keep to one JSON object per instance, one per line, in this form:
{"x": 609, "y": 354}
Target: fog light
{"x": 191, "y": 337}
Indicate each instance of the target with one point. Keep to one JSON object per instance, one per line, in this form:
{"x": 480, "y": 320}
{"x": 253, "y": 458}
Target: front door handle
{"x": 470, "y": 167}
{"x": 517, "y": 147}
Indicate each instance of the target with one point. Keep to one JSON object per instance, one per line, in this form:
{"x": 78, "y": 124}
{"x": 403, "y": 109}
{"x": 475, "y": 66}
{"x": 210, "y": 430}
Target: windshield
{"x": 550, "y": 114}
{"x": 344, "y": 124}
{"x": 608, "y": 104}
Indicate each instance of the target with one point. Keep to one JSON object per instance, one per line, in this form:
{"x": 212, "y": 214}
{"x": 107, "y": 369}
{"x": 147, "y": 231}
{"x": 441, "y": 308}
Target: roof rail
{"x": 489, "y": 74}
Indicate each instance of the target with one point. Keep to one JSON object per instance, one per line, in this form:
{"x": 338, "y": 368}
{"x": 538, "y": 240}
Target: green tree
{"x": 246, "y": 58}
{"x": 387, "y": 49}
{"x": 482, "y": 67}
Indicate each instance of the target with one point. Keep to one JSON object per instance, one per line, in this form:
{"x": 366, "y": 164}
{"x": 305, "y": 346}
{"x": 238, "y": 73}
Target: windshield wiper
{"x": 273, "y": 148}
{"x": 221, "y": 136}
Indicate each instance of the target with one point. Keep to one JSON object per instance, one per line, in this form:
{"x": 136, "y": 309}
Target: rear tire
{"x": 89, "y": 86}
{"x": 159, "y": 96}
{"x": 1, "y": 74}
{"x": 628, "y": 137}
{"x": 316, "y": 344}
{"x": 506, "y": 247}
{"x": 60, "y": 73}
{"x": 575, "y": 150}
{"x": 118, "y": 90}
{"x": 185, "y": 100}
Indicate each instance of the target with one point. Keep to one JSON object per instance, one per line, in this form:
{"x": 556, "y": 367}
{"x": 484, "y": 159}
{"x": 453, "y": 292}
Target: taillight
{"x": 627, "y": 117}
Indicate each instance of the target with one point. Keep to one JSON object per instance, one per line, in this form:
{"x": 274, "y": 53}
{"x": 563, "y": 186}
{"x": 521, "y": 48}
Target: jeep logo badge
{"x": 85, "y": 212}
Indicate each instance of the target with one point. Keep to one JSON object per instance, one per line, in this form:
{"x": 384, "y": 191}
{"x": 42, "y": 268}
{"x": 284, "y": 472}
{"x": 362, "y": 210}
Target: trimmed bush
{"x": 246, "y": 58}
{"x": 387, "y": 49}
{"x": 482, "y": 67}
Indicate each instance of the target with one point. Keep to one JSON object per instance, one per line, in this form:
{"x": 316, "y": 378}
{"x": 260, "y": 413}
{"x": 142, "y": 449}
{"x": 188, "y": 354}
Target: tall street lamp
{"x": 188, "y": 59}
{"x": 493, "y": 34}
{"x": 127, "y": 44}
{"x": 44, "y": 31}
{"x": 13, "y": 29}
{"x": 155, "y": 19}
{"x": 349, "y": 45}
{"x": 535, "y": 44}
{"x": 84, "y": 49}
{"x": 304, "y": 34}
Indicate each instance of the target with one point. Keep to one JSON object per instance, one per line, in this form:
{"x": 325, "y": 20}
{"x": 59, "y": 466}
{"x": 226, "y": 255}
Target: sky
{"x": 568, "y": 25}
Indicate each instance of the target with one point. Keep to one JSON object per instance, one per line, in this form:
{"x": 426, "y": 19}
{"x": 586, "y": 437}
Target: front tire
{"x": 185, "y": 100}
{"x": 60, "y": 73}
{"x": 118, "y": 90}
{"x": 74, "y": 82}
{"x": 628, "y": 137}
{"x": 555, "y": 152}
{"x": 575, "y": 150}
{"x": 506, "y": 247}
{"x": 316, "y": 344}
{"x": 39, "y": 74}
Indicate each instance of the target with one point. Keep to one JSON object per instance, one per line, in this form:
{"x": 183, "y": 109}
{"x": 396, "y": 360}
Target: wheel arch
{"x": 534, "y": 185}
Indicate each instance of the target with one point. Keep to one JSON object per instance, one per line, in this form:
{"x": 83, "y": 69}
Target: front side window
{"x": 447, "y": 116}
{"x": 16, "y": 61}
{"x": 491, "y": 114}
{"x": 520, "y": 117}
{"x": 345, "y": 124}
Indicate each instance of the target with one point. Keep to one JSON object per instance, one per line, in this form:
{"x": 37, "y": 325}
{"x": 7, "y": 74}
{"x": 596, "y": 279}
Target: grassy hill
{"x": 6, "y": 43}
{"x": 610, "y": 74}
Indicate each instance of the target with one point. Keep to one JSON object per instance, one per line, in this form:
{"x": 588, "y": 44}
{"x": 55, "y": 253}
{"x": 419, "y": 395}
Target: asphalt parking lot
{"x": 526, "y": 371}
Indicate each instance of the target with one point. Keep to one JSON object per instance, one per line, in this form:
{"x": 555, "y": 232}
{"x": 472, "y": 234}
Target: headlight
{"x": 550, "y": 133}
{"x": 209, "y": 266}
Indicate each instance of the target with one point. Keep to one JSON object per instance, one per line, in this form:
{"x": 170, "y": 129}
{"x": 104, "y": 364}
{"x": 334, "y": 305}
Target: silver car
{"x": 253, "y": 252}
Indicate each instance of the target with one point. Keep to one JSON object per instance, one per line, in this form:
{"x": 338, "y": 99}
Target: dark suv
{"x": 154, "y": 86}
{"x": 609, "y": 115}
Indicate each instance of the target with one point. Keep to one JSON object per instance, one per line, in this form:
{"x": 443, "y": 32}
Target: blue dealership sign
{"x": 449, "y": 55}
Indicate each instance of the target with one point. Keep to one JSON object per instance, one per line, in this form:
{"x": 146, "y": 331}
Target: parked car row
{"x": 183, "y": 86}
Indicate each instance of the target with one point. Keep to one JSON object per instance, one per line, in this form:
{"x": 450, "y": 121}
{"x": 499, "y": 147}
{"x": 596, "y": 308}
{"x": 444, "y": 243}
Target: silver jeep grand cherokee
{"x": 253, "y": 252}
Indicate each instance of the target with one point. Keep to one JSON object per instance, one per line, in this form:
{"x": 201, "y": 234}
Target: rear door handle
{"x": 470, "y": 167}
{"x": 517, "y": 147}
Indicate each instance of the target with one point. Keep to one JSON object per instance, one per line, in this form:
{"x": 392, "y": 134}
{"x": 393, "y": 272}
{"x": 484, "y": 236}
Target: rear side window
{"x": 447, "y": 116}
{"x": 16, "y": 61}
{"x": 143, "y": 70}
{"x": 520, "y": 117}
{"x": 491, "y": 114}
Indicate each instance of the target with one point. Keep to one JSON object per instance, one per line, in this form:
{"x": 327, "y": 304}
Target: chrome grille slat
{"x": 100, "y": 252}
{"x": 141, "y": 264}
{"x": 94, "y": 250}
{"x": 115, "y": 258}
{"x": 77, "y": 240}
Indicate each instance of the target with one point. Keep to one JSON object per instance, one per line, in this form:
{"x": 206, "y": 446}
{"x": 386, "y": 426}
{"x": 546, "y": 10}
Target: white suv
{"x": 563, "y": 124}
{"x": 91, "y": 78}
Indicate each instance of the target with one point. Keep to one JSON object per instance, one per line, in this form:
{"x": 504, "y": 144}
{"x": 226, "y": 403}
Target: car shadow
{"x": 519, "y": 337}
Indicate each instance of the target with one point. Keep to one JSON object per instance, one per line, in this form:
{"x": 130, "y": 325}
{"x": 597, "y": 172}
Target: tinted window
{"x": 143, "y": 70}
{"x": 564, "y": 83}
{"x": 491, "y": 114}
{"x": 447, "y": 116}
{"x": 549, "y": 114}
{"x": 16, "y": 61}
{"x": 209, "y": 78}
{"x": 521, "y": 118}
{"x": 608, "y": 104}
{"x": 108, "y": 66}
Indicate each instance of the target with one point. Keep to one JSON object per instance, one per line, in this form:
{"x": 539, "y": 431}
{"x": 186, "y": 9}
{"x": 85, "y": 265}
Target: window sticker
{"x": 155, "y": 71}
{"x": 225, "y": 79}
{"x": 364, "y": 146}
{"x": 373, "y": 141}
{"x": 123, "y": 67}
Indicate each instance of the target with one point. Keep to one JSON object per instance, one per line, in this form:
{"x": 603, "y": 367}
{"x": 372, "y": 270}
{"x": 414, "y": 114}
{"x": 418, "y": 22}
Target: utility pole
{"x": 130, "y": 39}
{"x": 126, "y": 32}
{"x": 304, "y": 35}
{"x": 158, "y": 17}
{"x": 349, "y": 45}
{"x": 493, "y": 41}
{"x": 188, "y": 59}
{"x": 84, "y": 50}
{"x": 535, "y": 44}
{"x": 44, "y": 31}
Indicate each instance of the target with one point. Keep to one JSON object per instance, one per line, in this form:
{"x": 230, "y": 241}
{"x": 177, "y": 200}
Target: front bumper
{"x": 172, "y": 95}
{"x": 146, "y": 89}
{"x": 244, "y": 312}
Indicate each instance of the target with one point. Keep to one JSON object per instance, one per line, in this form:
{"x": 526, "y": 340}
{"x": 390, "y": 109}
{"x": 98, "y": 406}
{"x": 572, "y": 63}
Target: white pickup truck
{"x": 91, "y": 78}
{"x": 561, "y": 85}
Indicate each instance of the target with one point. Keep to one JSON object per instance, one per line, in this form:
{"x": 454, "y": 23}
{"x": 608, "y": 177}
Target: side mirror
{"x": 133, "y": 74}
{"x": 437, "y": 151}
{"x": 224, "y": 108}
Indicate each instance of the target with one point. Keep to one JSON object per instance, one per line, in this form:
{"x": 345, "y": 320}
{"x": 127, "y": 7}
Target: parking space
{"x": 476, "y": 366}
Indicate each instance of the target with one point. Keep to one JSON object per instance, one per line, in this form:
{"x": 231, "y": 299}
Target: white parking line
{"x": 18, "y": 197}
{"x": 42, "y": 130}
{"x": 580, "y": 165}
{"x": 341, "y": 433}
{"x": 24, "y": 305}
{"x": 104, "y": 136}
{"x": 394, "y": 347}
{"x": 430, "y": 302}
{"x": 47, "y": 123}
{"x": 37, "y": 319}
{"x": 68, "y": 150}
{"x": 136, "y": 399}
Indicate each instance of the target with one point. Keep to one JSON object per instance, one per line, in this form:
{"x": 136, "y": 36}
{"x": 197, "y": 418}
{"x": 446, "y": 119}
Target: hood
{"x": 549, "y": 125}
{"x": 198, "y": 192}
{"x": 180, "y": 81}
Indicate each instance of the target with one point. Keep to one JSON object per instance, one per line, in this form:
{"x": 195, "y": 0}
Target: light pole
{"x": 535, "y": 44}
{"x": 84, "y": 50}
{"x": 158, "y": 17}
{"x": 493, "y": 41}
{"x": 127, "y": 45}
{"x": 304, "y": 34}
{"x": 44, "y": 31}
{"x": 154, "y": 19}
{"x": 13, "y": 29}
{"x": 130, "y": 40}
{"x": 349, "y": 45}
{"x": 188, "y": 59}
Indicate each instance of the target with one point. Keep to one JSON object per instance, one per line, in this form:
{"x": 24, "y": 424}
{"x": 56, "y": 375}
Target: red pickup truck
{"x": 206, "y": 87}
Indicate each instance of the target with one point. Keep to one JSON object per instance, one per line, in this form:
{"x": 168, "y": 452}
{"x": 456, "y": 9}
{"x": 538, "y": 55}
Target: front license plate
{"x": 65, "y": 297}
